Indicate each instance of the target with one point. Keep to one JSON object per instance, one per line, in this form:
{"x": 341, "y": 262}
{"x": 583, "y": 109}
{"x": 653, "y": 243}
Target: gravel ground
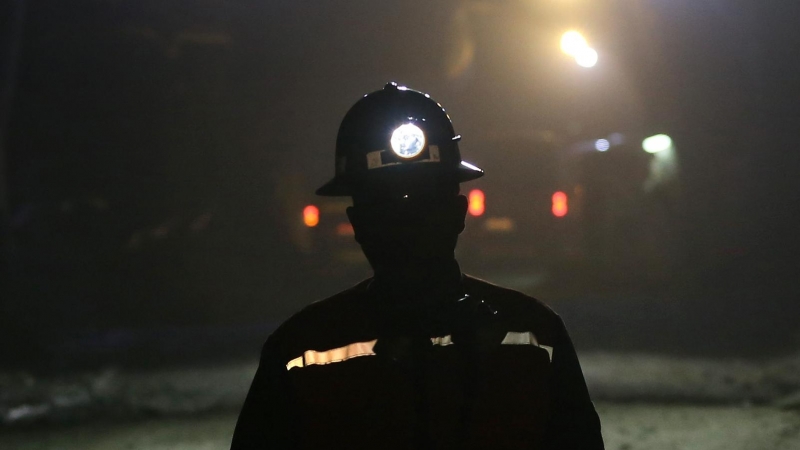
{"x": 645, "y": 402}
{"x": 625, "y": 427}
{"x": 129, "y": 395}
{"x": 662, "y": 427}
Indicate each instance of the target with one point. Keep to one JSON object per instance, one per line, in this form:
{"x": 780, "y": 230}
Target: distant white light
{"x": 602, "y": 145}
{"x": 407, "y": 141}
{"x": 572, "y": 42}
{"x": 657, "y": 143}
{"x": 586, "y": 57}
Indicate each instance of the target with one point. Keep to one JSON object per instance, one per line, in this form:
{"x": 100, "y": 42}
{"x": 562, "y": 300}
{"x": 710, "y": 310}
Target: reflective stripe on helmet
{"x": 375, "y": 159}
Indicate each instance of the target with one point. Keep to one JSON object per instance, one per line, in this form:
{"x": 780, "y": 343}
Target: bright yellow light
{"x": 311, "y": 215}
{"x": 477, "y": 203}
{"x": 657, "y": 143}
{"x": 572, "y": 43}
{"x": 560, "y": 207}
{"x": 586, "y": 57}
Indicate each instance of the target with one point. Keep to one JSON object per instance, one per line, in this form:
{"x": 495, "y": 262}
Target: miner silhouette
{"x": 419, "y": 356}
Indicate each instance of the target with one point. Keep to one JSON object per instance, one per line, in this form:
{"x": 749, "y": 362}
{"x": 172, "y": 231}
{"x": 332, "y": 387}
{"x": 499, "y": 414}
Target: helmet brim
{"x": 337, "y": 187}
{"x": 340, "y": 187}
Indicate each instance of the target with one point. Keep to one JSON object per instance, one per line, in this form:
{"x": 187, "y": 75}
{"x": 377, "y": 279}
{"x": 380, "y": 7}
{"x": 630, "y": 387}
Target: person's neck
{"x": 438, "y": 276}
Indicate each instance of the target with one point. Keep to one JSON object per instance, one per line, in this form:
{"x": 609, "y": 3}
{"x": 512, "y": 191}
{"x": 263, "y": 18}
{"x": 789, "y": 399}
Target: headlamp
{"x": 407, "y": 141}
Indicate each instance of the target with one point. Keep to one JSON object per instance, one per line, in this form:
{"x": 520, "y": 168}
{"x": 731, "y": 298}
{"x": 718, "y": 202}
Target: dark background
{"x": 156, "y": 158}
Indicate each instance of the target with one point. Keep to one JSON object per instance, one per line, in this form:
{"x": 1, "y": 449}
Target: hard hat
{"x": 394, "y": 135}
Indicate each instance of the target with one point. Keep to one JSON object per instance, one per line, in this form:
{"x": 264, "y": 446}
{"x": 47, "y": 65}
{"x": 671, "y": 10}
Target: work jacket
{"x": 479, "y": 367}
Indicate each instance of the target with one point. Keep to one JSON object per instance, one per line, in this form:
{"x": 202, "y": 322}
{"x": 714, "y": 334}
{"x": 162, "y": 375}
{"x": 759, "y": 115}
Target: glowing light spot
{"x": 560, "y": 204}
{"x": 657, "y": 143}
{"x": 477, "y": 204}
{"x": 572, "y": 43}
{"x": 602, "y": 145}
{"x": 499, "y": 224}
{"x": 311, "y": 216}
{"x": 586, "y": 57}
{"x": 344, "y": 229}
{"x": 407, "y": 141}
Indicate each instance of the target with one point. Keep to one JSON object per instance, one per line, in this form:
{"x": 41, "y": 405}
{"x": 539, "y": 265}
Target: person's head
{"x": 419, "y": 224}
{"x": 397, "y": 156}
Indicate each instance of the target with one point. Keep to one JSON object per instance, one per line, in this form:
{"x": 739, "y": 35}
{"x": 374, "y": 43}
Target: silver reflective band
{"x": 375, "y": 160}
{"x": 526, "y": 338}
{"x": 349, "y": 351}
{"x": 444, "y": 341}
{"x": 434, "y": 153}
{"x": 549, "y": 351}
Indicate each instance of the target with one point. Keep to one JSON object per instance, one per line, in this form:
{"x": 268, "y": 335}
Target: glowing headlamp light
{"x": 407, "y": 141}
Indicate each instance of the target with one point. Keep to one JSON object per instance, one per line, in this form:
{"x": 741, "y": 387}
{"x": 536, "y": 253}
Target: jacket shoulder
{"x": 505, "y": 296}
{"x": 515, "y": 309}
{"x": 344, "y": 303}
{"x": 321, "y": 321}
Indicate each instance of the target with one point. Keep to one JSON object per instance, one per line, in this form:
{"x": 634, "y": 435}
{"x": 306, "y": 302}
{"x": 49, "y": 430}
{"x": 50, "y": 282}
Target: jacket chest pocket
{"x": 353, "y": 404}
{"x": 514, "y": 378}
{"x": 512, "y": 405}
